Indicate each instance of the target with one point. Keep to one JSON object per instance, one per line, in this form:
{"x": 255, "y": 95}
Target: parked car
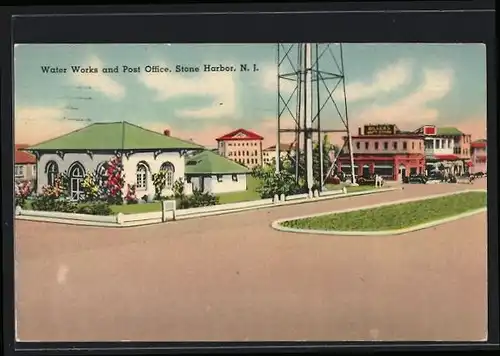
{"x": 415, "y": 179}
{"x": 435, "y": 176}
{"x": 333, "y": 180}
{"x": 368, "y": 180}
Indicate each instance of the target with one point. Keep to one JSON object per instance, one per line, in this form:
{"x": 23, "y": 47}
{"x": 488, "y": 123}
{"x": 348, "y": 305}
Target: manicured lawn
{"x": 394, "y": 217}
{"x": 247, "y": 195}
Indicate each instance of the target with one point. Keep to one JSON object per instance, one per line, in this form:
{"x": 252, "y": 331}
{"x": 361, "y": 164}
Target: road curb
{"x": 277, "y": 223}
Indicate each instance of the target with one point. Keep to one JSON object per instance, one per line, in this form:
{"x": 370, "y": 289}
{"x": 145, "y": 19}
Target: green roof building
{"x": 448, "y": 131}
{"x": 143, "y": 152}
{"x": 210, "y": 172}
{"x": 113, "y": 136}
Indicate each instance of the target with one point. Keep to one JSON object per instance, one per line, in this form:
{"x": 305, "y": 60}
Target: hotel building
{"x": 385, "y": 150}
{"x": 241, "y": 146}
{"x": 446, "y": 147}
{"x": 269, "y": 153}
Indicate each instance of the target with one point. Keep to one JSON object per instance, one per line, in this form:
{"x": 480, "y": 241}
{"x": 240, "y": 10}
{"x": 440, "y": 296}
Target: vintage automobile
{"x": 415, "y": 179}
{"x": 435, "y": 177}
{"x": 368, "y": 180}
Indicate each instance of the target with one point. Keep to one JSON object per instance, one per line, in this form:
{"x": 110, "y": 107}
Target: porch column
{"x": 360, "y": 167}
{"x": 372, "y": 168}
{"x": 395, "y": 170}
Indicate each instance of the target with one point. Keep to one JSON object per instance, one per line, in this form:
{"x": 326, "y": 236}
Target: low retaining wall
{"x": 169, "y": 210}
{"x": 277, "y": 224}
{"x": 55, "y": 216}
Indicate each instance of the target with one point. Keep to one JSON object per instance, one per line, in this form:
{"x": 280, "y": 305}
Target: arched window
{"x": 76, "y": 175}
{"x": 101, "y": 169}
{"x": 52, "y": 170}
{"x": 169, "y": 177}
{"x": 141, "y": 176}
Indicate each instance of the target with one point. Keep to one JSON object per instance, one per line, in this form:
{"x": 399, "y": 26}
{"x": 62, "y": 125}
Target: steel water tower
{"x": 311, "y": 92}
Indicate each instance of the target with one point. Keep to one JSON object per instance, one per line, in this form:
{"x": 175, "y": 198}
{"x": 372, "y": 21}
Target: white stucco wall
{"x": 130, "y": 165}
{"x": 89, "y": 163}
{"x": 227, "y": 185}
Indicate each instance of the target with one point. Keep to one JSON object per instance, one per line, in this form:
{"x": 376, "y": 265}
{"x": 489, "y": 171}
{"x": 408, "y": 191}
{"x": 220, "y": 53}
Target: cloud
{"x": 384, "y": 81}
{"x": 269, "y": 80}
{"x": 220, "y": 86}
{"x": 413, "y": 108}
{"x": 36, "y": 124}
{"x": 99, "y": 81}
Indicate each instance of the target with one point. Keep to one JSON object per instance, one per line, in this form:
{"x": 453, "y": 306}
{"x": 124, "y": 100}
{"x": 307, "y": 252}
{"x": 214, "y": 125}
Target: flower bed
{"x": 103, "y": 194}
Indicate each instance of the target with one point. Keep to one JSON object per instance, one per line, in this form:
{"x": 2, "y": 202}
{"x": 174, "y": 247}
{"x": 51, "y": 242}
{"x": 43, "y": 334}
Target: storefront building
{"x": 446, "y": 149}
{"x": 479, "y": 153}
{"x": 385, "y": 150}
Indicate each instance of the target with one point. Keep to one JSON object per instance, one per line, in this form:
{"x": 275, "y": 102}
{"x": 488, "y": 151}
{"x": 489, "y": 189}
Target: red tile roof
{"x": 24, "y": 157}
{"x": 246, "y": 135}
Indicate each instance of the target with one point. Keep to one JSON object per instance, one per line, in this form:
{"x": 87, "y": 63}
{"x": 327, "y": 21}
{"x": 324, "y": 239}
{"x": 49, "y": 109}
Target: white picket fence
{"x": 169, "y": 211}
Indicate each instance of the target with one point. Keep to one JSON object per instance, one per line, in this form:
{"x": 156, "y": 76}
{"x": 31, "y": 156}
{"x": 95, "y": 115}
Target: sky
{"x": 409, "y": 85}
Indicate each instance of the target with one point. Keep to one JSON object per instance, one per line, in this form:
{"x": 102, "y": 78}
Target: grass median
{"x": 394, "y": 217}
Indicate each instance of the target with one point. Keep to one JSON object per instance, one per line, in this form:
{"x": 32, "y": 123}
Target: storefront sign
{"x": 380, "y": 129}
{"x": 430, "y": 130}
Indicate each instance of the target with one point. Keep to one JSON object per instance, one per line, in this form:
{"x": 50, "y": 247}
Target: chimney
{"x": 359, "y": 131}
{"x": 166, "y": 132}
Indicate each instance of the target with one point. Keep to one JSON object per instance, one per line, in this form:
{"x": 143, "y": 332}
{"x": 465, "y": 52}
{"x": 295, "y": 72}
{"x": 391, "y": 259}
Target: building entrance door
{"x": 402, "y": 172}
{"x": 366, "y": 170}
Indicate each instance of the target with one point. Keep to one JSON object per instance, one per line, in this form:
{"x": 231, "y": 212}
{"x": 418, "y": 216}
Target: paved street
{"x": 234, "y": 278}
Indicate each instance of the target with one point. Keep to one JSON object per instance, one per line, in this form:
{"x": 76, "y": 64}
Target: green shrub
{"x": 48, "y": 203}
{"x": 272, "y": 183}
{"x": 178, "y": 188}
{"x": 97, "y": 208}
{"x": 196, "y": 200}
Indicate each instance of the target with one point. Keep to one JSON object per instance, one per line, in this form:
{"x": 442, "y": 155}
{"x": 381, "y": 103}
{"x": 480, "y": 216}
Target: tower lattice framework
{"x": 312, "y": 93}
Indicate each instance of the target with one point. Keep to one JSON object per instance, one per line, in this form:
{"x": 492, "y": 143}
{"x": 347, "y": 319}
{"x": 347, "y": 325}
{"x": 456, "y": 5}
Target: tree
{"x": 327, "y": 162}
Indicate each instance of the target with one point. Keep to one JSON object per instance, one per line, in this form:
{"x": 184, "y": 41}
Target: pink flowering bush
{"x": 22, "y": 191}
{"x": 130, "y": 197}
{"x": 113, "y": 181}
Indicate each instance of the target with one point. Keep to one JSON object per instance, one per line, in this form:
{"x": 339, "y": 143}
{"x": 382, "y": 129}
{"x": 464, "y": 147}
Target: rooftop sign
{"x": 379, "y": 130}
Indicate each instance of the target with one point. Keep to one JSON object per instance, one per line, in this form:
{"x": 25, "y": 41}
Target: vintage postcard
{"x": 250, "y": 192}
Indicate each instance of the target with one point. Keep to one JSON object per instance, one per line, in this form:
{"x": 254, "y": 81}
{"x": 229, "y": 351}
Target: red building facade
{"x": 386, "y": 151}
